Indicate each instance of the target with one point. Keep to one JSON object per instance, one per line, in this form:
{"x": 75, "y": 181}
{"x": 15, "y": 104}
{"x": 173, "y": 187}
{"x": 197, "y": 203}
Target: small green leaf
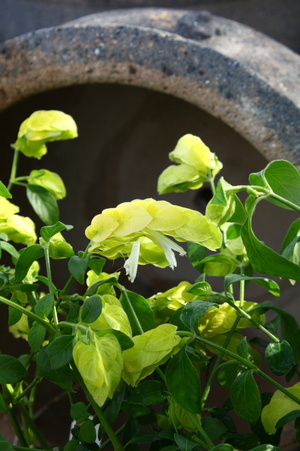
{"x": 43, "y": 203}
{"x": 36, "y": 337}
{"x": 5, "y": 445}
{"x": 93, "y": 288}
{"x": 222, "y": 415}
{"x": 196, "y": 254}
{"x": 78, "y": 267}
{"x": 91, "y": 309}
{"x": 44, "y": 306}
{"x": 183, "y": 382}
{"x": 227, "y": 374}
{"x": 47, "y": 232}
{"x": 279, "y": 357}
{"x": 202, "y": 289}
{"x": 242, "y": 348}
{"x": 87, "y": 433}
{"x": 183, "y": 443}
{"x": 266, "y": 448}
{"x": 191, "y": 312}
{"x": 243, "y": 441}
{"x": 14, "y": 316}
{"x": 288, "y": 418}
{"x": 11, "y": 370}
{"x": 4, "y": 191}
{"x": 61, "y": 377}
{"x": 239, "y": 216}
{"x": 28, "y": 256}
{"x": 136, "y": 410}
{"x": 223, "y": 447}
{"x": 123, "y": 339}
{"x": 10, "y": 249}
{"x": 148, "y": 393}
{"x": 79, "y": 412}
{"x": 96, "y": 264}
{"x": 245, "y": 397}
{"x": 60, "y": 351}
{"x": 266, "y": 261}
{"x": 213, "y": 427}
{"x": 268, "y": 284}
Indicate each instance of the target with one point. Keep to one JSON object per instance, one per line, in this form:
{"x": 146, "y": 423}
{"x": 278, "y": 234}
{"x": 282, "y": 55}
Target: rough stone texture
{"x": 235, "y": 73}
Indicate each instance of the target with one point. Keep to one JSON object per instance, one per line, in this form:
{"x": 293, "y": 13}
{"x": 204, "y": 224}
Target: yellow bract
{"x": 100, "y": 365}
{"x": 279, "y": 406}
{"x": 50, "y": 181}
{"x": 19, "y": 229}
{"x": 196, "y": 164}
{"x": 151, "y": 349}
{"x": 42, "y": 127}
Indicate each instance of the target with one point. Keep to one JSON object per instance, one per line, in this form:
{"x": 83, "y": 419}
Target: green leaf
{"x": 266, "y": 448}
{"x": 222, "y": 415}
{"x": 243, "y": 441}
{"x": 213, "y": 427}
{"x": 36, "y": 337}
{"x": 5, "y": 445}
{"x": 123, "y": 339}
{"x": 142, "y": 310}
{"x": 93, "y": 288}
{"x": 14, "y": 316}
{"x": 131, "y": 428}
{"x": 47, "y": 232}
{"x": 4, "y": 191}
{"x": 43, "y": 203}
{"x": 183, "y": 443}
{"x": 91, "y": 309}
{"x": 284, "y": 180}
{"x": 239, "y": 216}
{"x": 11, "y": 370}
{"x": 44, "y": 306}
{"x": 78, "y": 267}
{"x": 191, "y": 312}
{"x": 183, "y": 382}
{"x": 196, "y": 254}
{"x": 268, "y": 284}
{"x": 112, "y": 410}
{"x": 242, "y": 348}
{"x": 2, "y": 404}
{"x": 10, "y": 249}
{"x": 148, "y": 393}
{"x": 227, "y": 374}
{"x": 79, "y": 412}
{"x": 61, "y": 377}
{"x": 96, "y": 264}
{"x": 28, "y": 256}
{"x": 223, "y": 447}
{"x": 202, "y": 289}
{"x": 60, "y": 351}
{"x": 220, "y": 196}
{"x": 136, "y": 410}
{"x": 245, "y": 397}
{"x": 266, "y": 261}
{"x": 289, "y": 326}
{"x": 288, "y": 418}
{"x": 279, "y": 357}
{"x": 87, "y": 432}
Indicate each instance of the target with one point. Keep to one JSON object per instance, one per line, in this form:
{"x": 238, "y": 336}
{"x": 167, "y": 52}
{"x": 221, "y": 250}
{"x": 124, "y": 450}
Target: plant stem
{"x": 248, "y": 364}
{"x": 26, "y": 390}
{"x": 29, "y": 313}
{"x": 12, "y": 417}
{"x": 48, "y": 269}
{"x": 13, "y": 170}
{"x": 124, "y": 292}
{"x": 107, "y": 442}
{"x": 32, "y": 426}
{"x": 200, "y": 429}
{"x": 115, "y": 442}
{"x": 216, "y": 367}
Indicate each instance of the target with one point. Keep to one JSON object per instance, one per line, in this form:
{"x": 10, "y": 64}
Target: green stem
{"x": 247, "y": 364}
{"x": 124, "y": 292}
{"x": 30, "y": 314}
{"x": 217, "y": 364}
{"x": 26, "y": 390}
{"x": 12, "y": 417}
{"x": 115, "y": 442}
{"x": 64, "y": 291}
{"x": 108, "y": 441}
{"x": 32, "y": 426}
{"x": 200, "y": 429}
{"x": 13, "y": 170}
{"x": 256, "y": 324}
{"x": 48, "y": 269}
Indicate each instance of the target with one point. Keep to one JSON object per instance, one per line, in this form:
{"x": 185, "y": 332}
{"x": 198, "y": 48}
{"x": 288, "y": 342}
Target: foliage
{"x": 130, "y": 354}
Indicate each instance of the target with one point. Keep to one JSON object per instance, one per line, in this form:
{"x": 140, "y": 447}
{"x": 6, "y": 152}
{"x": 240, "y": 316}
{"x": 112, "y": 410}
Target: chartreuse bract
{"x": 148, "y": 365}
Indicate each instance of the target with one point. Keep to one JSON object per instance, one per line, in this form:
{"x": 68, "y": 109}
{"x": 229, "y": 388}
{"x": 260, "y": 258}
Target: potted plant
{"x": 151, "y": 362}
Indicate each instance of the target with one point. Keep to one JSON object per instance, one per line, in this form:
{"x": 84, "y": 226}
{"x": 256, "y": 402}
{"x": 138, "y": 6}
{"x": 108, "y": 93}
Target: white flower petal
{"x": 131, "y": 264}
{"x": 167, "y": 246}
